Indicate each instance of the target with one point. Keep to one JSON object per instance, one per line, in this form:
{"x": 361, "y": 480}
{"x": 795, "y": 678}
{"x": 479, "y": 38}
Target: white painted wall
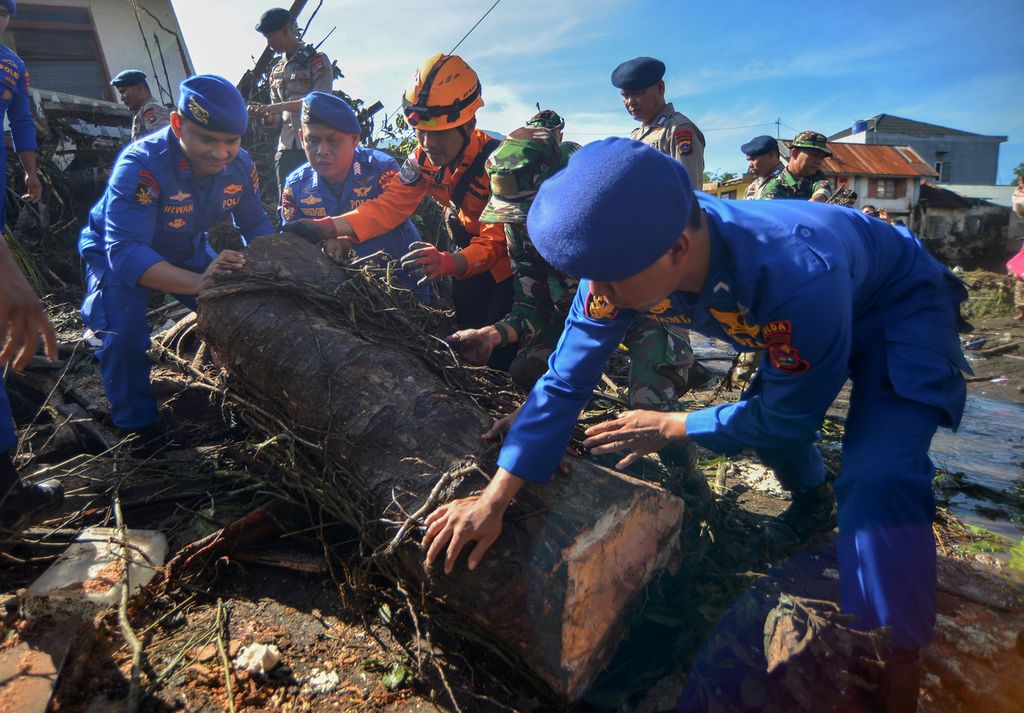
{"x": 122, "y": 45}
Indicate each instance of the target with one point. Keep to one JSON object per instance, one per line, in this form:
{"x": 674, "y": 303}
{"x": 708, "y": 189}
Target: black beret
{"x": 128, "y": 78}
{"x": 760, "y": 145}
{"x": 273, "y": 19}
{"x": 638, "y": 73}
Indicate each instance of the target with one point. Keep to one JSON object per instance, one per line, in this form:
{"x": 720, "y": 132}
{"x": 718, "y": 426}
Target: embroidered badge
{"x": 317, "y": 63}
{"x": 232, "y": 189}
{"x": 362, "y": 191}
{"x": 357, "y": 169}
{"x": 386, "y": 177}
{"x": 660, "y": 122}
{"x": 147, "y": 190}
{"x": 198, "y": 113}
{"x": 310, "y": 200}
{"x": 736, "y": 327}
{"x": 598, "y": 307}
{"x": 229, "y": 203}
{"x": 288, "y": 211}
{"x": 177, "y": 223}
{"x": 661, "y": 307}
{"x": 778, "y": 337}
{"x": 684, "y": 141}
{"x": 149, "y": 116}
{"x": 410, "y": 173}
{"x": 179, "y": 196}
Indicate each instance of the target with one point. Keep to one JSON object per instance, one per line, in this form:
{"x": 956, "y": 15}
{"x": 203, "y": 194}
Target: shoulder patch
{"x": 410, "y": 173}
{"x": 684, "y": 141}
{"x": 661, "y": 122}
{"x": 147, "y": 190}
{"x": 778, "y": 337}
{"x": 598, "y": 307}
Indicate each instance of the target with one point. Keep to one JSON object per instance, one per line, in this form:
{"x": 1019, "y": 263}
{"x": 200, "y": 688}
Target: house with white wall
{"x": 75, "y": 47}
{"x": 883, "y": 176}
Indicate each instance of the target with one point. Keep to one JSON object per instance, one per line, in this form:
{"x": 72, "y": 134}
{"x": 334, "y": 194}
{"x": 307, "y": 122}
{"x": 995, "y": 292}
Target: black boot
{"x": 900, "y": 683}
{"x": 28, "y": 503}
{"x": 812, "y": 512}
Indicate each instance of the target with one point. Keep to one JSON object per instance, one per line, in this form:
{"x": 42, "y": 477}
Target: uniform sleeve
{"x": 288, "y": 206}
{"x": 249, "y": 216}
{"x": 771, "y": 190}
{"x": 537, "y": 441}
{"x": 822, "y": 189}
{"x": 322, "y": 72}
{"x": 530, "y": 312}
{"x": 486, "y": 249}
{"x": 686, "y": 145}
{"x": 398, "y": 200}
{"x": 133, "y": 200}
{"x": 807, "y": 340}
{"x": 19, "y": 115}
{"x": 155, "y": 116}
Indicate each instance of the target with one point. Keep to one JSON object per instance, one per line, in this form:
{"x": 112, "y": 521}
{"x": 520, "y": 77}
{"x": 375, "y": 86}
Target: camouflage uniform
{"x": 675, "y": 135}
{"x": 659, "y": 358}
{"x": 786, "y": 185}
{"x": 755, "y": 191}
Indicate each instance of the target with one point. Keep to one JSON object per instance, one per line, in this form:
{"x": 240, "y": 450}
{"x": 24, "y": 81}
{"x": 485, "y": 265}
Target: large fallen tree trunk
{"x": 574, "y": 554}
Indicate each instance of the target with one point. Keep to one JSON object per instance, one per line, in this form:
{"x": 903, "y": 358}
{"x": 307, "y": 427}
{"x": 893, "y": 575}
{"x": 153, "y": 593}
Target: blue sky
{"x": 732, "y": 67}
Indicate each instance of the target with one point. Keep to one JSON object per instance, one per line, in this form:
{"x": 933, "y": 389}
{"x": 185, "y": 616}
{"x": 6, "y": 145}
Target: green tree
{"x": 1018, "y": 172}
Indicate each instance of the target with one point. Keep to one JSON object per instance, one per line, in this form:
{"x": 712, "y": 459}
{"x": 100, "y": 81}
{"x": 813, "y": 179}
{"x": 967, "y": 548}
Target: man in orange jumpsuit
{"x": 440, "y": 103}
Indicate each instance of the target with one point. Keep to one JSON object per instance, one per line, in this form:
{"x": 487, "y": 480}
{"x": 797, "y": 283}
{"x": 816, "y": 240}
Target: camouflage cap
{"x": 547, "y": 119}
{"x": 516, "y": 169}
{"x": 811, "y": 140}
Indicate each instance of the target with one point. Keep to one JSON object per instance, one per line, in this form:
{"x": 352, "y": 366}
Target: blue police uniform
{"x": 829, "y": 294}
{"x": 154, "y": 210}
{"x": 307, "y": 195}
{"x": 14, "y": 102}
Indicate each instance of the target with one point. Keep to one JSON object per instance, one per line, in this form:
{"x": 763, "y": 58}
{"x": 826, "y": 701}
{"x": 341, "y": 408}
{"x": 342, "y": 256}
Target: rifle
{"x": 248, "y": 80}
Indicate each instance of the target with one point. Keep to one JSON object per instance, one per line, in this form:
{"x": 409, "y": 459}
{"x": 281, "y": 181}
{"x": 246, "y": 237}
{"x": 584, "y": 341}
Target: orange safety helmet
{"x": 443, "y": 93}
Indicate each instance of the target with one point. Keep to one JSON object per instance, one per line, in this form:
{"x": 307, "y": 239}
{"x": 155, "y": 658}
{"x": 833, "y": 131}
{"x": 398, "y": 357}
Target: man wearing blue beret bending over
{"x": 148, "y": 232}
{"x": 826, "y": 292}
{"x": 340, "y": 175}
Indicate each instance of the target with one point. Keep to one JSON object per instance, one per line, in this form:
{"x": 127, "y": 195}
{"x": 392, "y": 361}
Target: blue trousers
{"x": 902, "y": 391}
{"x": 117, "y": 315}
{"x": 8, "y": 438}
{"x": 886, "y": 549}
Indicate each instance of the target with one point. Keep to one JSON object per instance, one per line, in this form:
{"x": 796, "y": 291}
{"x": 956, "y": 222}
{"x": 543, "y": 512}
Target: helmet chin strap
{"x": 464, "y": 133}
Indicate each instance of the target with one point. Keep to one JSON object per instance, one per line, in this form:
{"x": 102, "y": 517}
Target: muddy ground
{"x": 699, "y": 635}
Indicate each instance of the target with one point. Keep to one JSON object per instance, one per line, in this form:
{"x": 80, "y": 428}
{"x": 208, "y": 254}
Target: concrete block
{"x": 91, "y": 569}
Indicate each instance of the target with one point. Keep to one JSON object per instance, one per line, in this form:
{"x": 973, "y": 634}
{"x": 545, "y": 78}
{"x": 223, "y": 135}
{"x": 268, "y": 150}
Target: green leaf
{"x": 398, "y": 677}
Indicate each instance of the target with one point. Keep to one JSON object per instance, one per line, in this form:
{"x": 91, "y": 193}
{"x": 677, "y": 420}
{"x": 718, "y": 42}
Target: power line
{"x": 482, "y": 18}
{"x": 457, "y": 44}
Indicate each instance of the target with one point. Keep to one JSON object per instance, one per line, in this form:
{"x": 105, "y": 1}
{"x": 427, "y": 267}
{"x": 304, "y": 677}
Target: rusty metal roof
{"x": 876, "y": 160}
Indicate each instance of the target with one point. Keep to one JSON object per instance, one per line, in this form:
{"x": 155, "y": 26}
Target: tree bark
{"x": 574, "y": 553}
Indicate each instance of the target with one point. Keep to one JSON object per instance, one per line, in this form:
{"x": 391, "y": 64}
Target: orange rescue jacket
{"x": 487, "y": 249}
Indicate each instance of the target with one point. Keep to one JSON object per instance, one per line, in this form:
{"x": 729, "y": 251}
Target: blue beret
{"x": 638, "y": 73}
{"x": 12, "y": 6}
{"x": 612, "y": 212}
{"x": 324, "y": 108}
{"x": 760, "y": 145}
{"x": 213, "y": 103}
{"x": 273, "y": 19}
{"x": 128, "y": 78}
